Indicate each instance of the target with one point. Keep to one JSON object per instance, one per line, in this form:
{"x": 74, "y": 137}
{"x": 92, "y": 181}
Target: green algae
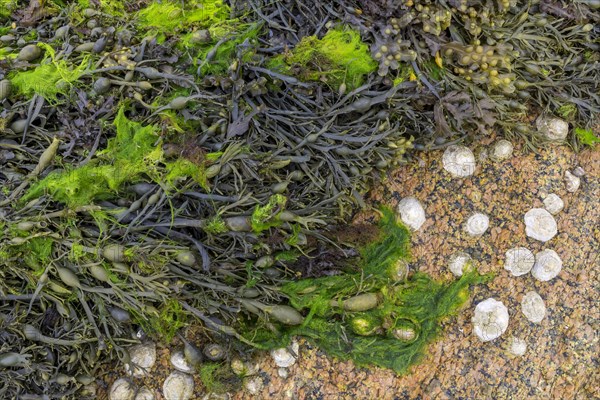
{"x": 587, "y": 137}
{"x": 368, "y": 337}
{"x": 115, "y": 8}
{"x": 265, "y": 217}
{"x": 175, "y": 15}
{"x": 217, "y": 377}
{"x": 339, "y": 57}
{"x": 51, "y": 78}
{"x": 216, "y": 58}
{"x": 7, "y": 7}
{"x": 133, "y": 155}
{"x": 165, "y": 323}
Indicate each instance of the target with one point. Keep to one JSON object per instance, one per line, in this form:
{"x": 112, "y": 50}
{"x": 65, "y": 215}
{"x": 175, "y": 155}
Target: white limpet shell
{"x": 477, "y": 224}
{"x": 547, "y": 265}
{"x": 283, "y": 357}
{"x": 553, "y": 203}
{"x": 490, "y": 319}
{"x": 122, "y": 389}
{"x": 180, "y": 363}
{"x": 178, "y": 386}
{"x": 254, "y": 384}
{"x": 519, "y": 261}
{"x": 572, "y": 182}
{"x": 540, "y": 224}
{"x": 459, "y": 161}
{"x": 501, "y": 150}
{"x": 554, "y": 129}
{"x": 517, "y": 347}
{"x": 533, "y": 307}
{"x": 411, "y": 212}
{"x": 457, "y": 262}
{"x": 143, "y": 357}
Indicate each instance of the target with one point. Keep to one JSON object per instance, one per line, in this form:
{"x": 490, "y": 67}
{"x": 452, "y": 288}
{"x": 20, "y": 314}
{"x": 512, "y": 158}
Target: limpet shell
{"x": 143, "y": 357}
{"x": 180, "y": 363}
{"x": 553, "y": 203}
{"x": 477, "y": 224}
{"x": 459, "y": 161}
{"x": 411, "y": 212}
{"x": 533, "y": 307}
{"x": 540, "y": 224}
{"x": 122, "y": 389}
{"x": 283, "y": 357}
{"x": 501, "y": 150}
{"x": 490, "y": 319}
{"x": 178, "y": 386}
{"x": 553, "y": 129}
{"x": 457, "y": 262}
{"x": 547, "y": 265}
{"x": 517, "y": 346}
{"x": 519, "y": 261}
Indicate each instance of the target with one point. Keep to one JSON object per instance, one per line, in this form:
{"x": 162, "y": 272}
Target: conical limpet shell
{"x": 283, "y": 357}
{"x": 547, "y": 265}
{"x": 411, "y": 212}
{"x": 554, "y": 129}
{"x": 490, "y": 320}
{"x": 459, "y": 161}
{"x": 178, "y": 386}
{"x": 457, "y": 262}
{"x": 122, "y": 389}
{"x": 477, "y": 224}
{"x": 533, "y": 307}
{"x": 501, "y": 150}
{"x": 519, "y": 261}
{"x": 143, "y": 357}
{"x": 540, "y": 224}
{"x": 553, "y": 203}
{"x": 517, "y": 346}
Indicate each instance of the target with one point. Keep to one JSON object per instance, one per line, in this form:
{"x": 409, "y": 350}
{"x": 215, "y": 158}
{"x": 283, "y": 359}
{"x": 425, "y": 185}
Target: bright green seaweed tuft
{"x": 51, "y": 78}
{"x": 370, "y": 336}
{"x": 134, "y": 154}
{"x": 587, "y": 137}
{"x": 171, "y": 15}
{"x": 339, "y": 57}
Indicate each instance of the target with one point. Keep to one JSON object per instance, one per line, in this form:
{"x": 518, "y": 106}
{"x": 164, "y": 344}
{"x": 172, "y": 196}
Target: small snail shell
{"x": 519, "y": 261}
{"x": 533, "y": 307}
{"x": 411, "y": 212}
{"x": 459, "y": 161}
{"x": 547, "y": 265}
{"x": 540, "y": 224}
{"x": 477, "y": 224}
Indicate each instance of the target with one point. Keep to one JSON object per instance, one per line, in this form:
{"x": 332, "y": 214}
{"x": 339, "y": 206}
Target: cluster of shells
{"x": 179, "y": 384}
{"x": 491, "y": 317}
